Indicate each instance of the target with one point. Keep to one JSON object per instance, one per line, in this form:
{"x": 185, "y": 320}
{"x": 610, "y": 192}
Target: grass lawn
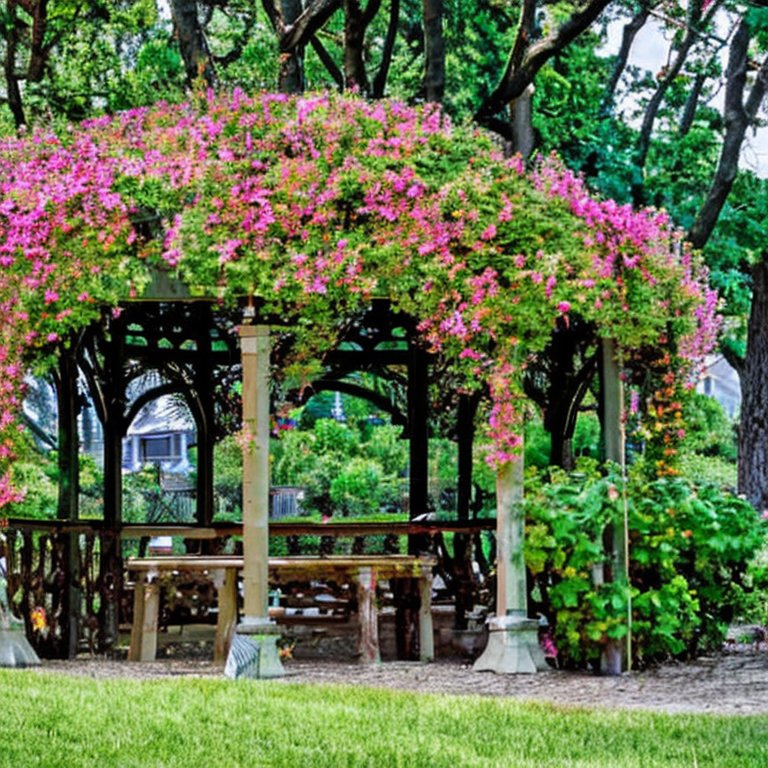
{"x": 57, "y": 720}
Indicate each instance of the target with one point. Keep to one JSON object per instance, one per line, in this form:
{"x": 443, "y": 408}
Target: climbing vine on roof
{"x": 315, "y": 205}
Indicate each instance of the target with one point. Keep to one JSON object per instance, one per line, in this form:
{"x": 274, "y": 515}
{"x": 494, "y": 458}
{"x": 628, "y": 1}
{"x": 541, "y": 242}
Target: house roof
{"x": 163, "y": 416}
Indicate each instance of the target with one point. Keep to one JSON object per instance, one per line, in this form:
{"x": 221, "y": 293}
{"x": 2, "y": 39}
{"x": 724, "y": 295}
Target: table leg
{"x": 146, "y": 610}
{"x": 369, "y": 622}
{"x": 226, "y": 586}
{"x": 426, "y": 632}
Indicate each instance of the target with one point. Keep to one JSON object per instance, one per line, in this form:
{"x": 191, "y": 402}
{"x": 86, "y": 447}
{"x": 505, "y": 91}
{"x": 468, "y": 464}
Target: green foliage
{"x": 713, "y": 469}
{"x": 478, "y": 34}
{"x": 228, "y": 479}
{"x": 36, "y": 472}
{"x": 37, "y": 477}
{"x": 344, "y": 470}
{"x": 139, "y": 488}
{"x": 108, "y": 57}
{"x": 708, "y": 430}
{"x": 586, "y": 440}
{"x": 567, "y": 100}
{"x": 690, "y": 548}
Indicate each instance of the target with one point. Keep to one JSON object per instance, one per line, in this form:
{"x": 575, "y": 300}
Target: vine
{"x": 315, "y": 205}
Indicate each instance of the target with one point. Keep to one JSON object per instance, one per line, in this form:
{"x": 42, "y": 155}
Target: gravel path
{"x": 731, "y": 683}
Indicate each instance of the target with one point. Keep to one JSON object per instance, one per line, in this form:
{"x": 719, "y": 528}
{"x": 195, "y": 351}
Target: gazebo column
{"x": 513, "y": 642}
{"x": 406, "y": 591}
{"x": 254, "y": 651}
{"x": 462, "y": 562}
{"x": 70, "y": 595}
{"x": 205, "y": 427}
{"x": 418, "y": 428}
{"x": 111, "y": 565}
{"x": 614, "y": 658}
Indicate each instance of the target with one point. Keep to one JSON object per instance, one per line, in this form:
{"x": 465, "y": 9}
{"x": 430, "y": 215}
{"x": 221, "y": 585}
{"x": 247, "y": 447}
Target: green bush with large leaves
{"x": 691, "y": 546}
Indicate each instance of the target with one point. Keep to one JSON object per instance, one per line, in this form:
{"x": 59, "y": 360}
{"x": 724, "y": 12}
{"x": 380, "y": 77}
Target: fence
{"x": 66, "y": 580}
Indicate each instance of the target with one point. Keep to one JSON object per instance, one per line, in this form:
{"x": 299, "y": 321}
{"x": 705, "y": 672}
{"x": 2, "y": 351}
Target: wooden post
{"x": 426, "y": 632}
{"x": 406, "y": 590}
{"x": 114, "y": 424}
{"x": 205, "y": 419}
{"x": 615, "y": 658}
{"x": 465, "y": 428}
{"x": 366, "y": 611}
{"x": 146, "y": 610}
{"x": 225, "y": 582}
{"x": 68, "y": 602}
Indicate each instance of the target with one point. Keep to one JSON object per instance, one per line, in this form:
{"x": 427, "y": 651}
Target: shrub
{"x": 690, "y": 545}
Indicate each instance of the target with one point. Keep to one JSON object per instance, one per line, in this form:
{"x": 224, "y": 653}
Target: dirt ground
{"x": 733, "y": 683}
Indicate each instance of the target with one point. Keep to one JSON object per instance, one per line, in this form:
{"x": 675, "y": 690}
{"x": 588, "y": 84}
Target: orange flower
{"x": 38, "y": 619}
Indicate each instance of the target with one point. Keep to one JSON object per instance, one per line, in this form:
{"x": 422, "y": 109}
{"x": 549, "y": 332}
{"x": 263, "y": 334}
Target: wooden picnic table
{"x": 364, "y": 571}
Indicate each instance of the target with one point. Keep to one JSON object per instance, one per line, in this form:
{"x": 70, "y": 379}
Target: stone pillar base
{"x": 254, "y": 653}
{"x": 15, "y": 650}
{"x": 613, "y": 660}
{"x": 513, "y": 647}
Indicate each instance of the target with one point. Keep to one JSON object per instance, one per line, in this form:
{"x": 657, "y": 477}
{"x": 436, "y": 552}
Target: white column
{"x": 511, "y": 596}
{"x": 253, "y": 652}
{"x": 616, "y": 654}
{"x": 513, "y": 642}
{"x": 254, "y": 341}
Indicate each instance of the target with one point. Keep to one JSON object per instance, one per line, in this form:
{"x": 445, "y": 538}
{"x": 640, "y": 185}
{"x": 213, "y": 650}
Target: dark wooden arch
{"x": 192, "y": 345}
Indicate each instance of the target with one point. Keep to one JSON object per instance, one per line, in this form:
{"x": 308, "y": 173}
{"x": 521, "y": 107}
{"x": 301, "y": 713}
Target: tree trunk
{"x": 526, "y": 58}
{"x": 290, "y": 78}
{"x": 738, "y": 116}
{"x": 434, "y": 50}
{"x": 380, "y": 79}
{"x": 523, "y": 140}
{"x": 192, "y": 45}
{"x": 559, "y": 381}
{"x": 38, "y": 55}
{"x": 13, "y": 90}
{"x": 692, "y": 104}
{"x": 666, "y": 80}
{"x": 355, "y": 76}
{"x": 753, "y": 432}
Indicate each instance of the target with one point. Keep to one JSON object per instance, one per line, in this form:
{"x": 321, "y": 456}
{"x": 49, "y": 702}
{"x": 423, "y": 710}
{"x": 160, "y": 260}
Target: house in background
{"x": 162, "y": 435}
{"x": 720, "y": 381}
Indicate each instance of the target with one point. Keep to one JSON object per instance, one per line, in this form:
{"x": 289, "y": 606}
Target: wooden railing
{"x": 74, "y": 571}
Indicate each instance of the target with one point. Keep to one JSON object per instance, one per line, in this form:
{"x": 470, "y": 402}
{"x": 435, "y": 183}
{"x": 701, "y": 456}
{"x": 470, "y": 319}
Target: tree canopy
{"x": 314, "y": 205}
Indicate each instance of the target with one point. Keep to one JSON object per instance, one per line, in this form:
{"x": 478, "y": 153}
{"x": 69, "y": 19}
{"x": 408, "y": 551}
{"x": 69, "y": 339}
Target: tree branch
{"x": 380, "y": 79}
{"x": 738, "y": 116}
{"x": 622, "y": 57}
{"x": 525, "y": 61}
{"x": 671, "y": 73}
{"x": 327, "y": 61}
{"x": 314, "y": 17}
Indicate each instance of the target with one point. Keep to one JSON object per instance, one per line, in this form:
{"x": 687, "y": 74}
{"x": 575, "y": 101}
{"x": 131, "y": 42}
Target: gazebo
{"x": 356, "y": 235}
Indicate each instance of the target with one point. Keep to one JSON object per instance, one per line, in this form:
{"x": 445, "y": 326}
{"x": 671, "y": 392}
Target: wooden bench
{"x": 364, "y": 571}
